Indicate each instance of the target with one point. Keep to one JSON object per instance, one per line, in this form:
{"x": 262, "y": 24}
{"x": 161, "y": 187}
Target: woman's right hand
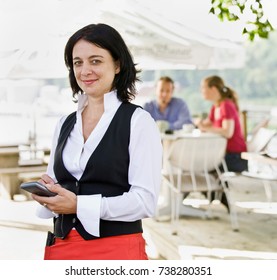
{"x": 65, "y": 202}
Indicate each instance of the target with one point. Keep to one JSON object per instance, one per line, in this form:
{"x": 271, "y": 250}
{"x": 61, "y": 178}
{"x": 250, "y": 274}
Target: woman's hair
{"x": 225, "y": 92}
{"x": 106, "y": 37}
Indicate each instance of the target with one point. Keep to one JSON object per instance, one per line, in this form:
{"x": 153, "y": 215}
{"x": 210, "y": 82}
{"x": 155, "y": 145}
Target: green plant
{"x": 257, "y": 24}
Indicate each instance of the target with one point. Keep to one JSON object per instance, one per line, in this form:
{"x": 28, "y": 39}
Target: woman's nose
{"x": 86, "y": 69}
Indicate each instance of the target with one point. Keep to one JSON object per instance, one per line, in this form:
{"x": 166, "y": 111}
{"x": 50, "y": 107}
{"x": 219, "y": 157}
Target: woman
{"x": 224, "y": 120}
{"x": 105, "y": 163}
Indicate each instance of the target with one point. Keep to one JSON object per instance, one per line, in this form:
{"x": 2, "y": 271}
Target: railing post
{"x": 244, "y": 124}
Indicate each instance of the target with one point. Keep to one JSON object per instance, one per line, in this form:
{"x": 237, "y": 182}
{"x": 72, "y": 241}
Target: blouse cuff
{"x": 88, "y": 212}
{"x": 44, "y": 213}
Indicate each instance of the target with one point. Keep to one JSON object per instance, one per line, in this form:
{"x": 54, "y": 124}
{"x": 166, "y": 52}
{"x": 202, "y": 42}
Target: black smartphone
{"x": 36, "y": 188}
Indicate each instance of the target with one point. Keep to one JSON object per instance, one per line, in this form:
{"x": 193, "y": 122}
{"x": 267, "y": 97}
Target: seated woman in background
{"x": 224, "y": 119}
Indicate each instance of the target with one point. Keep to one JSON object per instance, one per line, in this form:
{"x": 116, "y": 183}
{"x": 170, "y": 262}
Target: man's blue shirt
{"x": 176, "y": 113}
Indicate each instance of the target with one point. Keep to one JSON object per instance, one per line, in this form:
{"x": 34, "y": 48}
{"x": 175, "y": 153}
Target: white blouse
{"x": 145, "y": 151}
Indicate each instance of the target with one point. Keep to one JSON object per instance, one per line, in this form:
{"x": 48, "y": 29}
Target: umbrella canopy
{"x": 35, "y": 33}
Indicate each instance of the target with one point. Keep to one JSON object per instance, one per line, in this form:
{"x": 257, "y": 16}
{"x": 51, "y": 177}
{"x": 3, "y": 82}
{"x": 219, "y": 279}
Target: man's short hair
{"x": 166, "y": 79}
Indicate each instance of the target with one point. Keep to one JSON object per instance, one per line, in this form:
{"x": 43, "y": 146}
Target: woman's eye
{"x": 95, "y": 61}
{"x": 76, "y": 63}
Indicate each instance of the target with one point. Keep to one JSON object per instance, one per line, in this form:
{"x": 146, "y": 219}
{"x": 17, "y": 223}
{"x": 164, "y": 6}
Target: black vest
{"x": 106, "y": 173}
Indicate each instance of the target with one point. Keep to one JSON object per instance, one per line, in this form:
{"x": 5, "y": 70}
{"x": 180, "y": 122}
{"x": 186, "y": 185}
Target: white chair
{"x": 260, "y": 139}
{"x": 189, "y": 162}
{"x": 265, "y": 140}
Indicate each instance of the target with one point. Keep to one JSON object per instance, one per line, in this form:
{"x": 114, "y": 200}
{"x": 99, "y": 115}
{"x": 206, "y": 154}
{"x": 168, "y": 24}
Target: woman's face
{"x": 209, "y": 93}
{"x": 94, "y": 68}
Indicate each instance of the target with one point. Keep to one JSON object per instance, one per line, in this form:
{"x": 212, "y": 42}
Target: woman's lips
{"x": 88, "y": 82}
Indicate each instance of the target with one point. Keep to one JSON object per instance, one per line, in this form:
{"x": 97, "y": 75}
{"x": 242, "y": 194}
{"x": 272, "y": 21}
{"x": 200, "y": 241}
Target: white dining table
{"x": 164, "y": 209}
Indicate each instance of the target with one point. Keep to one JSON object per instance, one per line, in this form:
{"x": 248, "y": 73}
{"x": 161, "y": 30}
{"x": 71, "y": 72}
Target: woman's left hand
{"x": 202, "y": 126}
{"x": 65, "y": 202}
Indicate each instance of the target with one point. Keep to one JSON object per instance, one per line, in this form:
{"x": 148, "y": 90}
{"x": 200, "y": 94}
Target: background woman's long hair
{"x": 225, "y": 91}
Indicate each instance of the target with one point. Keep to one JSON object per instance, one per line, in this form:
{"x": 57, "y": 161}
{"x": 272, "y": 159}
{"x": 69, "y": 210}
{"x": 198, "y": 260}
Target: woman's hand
{"x": 200, "y": 125}
{"x": 204, "y": 125}
{"x": 197, "y": 122}
{"x": 45, "y": 179}
{"x": 65, "y": 202}
{"x": 227, "y": 129}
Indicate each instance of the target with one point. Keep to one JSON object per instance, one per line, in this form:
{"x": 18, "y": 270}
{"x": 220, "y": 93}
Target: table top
{"x": 259, "y": 157}
{"x": 22, "y": 169}
{"x": 9, "y": 150}
{"x": 196, "y": 133}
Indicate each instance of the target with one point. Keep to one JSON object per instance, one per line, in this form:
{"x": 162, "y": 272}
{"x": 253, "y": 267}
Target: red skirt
{"x": 74, "y": 247}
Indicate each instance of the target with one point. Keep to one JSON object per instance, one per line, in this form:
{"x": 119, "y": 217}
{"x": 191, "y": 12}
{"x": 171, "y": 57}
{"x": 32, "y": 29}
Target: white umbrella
{"x": 35, "y": 36}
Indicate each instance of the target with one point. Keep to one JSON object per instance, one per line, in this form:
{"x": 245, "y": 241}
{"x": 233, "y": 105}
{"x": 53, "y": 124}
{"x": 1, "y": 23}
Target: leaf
{"x": 244, "y": 31}
{"x": 212, "y": 10}
{"x": 261, "y": 29}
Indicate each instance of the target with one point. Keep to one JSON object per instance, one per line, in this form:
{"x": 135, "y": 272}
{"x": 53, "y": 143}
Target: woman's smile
{"x": 89, "y": 82}
{"x": 94, "y": 68}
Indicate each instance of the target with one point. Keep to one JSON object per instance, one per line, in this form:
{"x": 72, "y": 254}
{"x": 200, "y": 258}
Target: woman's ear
{"x": 117, "y": 67}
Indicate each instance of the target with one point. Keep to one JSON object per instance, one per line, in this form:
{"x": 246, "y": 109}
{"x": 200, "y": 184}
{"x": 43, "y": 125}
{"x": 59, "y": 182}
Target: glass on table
{"x": 162, "y": 125}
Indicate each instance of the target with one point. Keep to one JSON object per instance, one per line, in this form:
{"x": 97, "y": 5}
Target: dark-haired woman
{"x": 105, "y": 163}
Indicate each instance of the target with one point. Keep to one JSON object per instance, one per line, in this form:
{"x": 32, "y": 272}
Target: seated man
{"x": 167, "y": 108}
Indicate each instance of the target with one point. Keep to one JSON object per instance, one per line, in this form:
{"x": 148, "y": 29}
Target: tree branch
{"x": 233, "y": 10}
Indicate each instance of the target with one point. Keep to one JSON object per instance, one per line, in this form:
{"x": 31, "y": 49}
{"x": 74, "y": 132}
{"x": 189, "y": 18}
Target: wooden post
{"x": 9, "y": 158}
{"x": 244, "y": 124}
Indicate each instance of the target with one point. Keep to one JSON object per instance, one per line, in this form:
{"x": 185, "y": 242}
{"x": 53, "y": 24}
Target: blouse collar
{"x": 110, "y": 101}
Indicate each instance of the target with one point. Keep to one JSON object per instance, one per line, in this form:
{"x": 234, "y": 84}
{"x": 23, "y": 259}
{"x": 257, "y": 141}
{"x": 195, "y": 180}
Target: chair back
{"x": 197, "y": 154}
{"x": 260, "y": 139}
{"x": 189, "y": 161}
{"x": 190, "y": 165}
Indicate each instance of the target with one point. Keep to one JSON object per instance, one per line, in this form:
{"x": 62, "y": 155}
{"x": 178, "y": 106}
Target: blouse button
{"x": 74, "y": 220}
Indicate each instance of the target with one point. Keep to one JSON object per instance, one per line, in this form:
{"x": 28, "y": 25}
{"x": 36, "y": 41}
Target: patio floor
{"x": 22, "y": 234}
{"x": 213, "y": 238}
